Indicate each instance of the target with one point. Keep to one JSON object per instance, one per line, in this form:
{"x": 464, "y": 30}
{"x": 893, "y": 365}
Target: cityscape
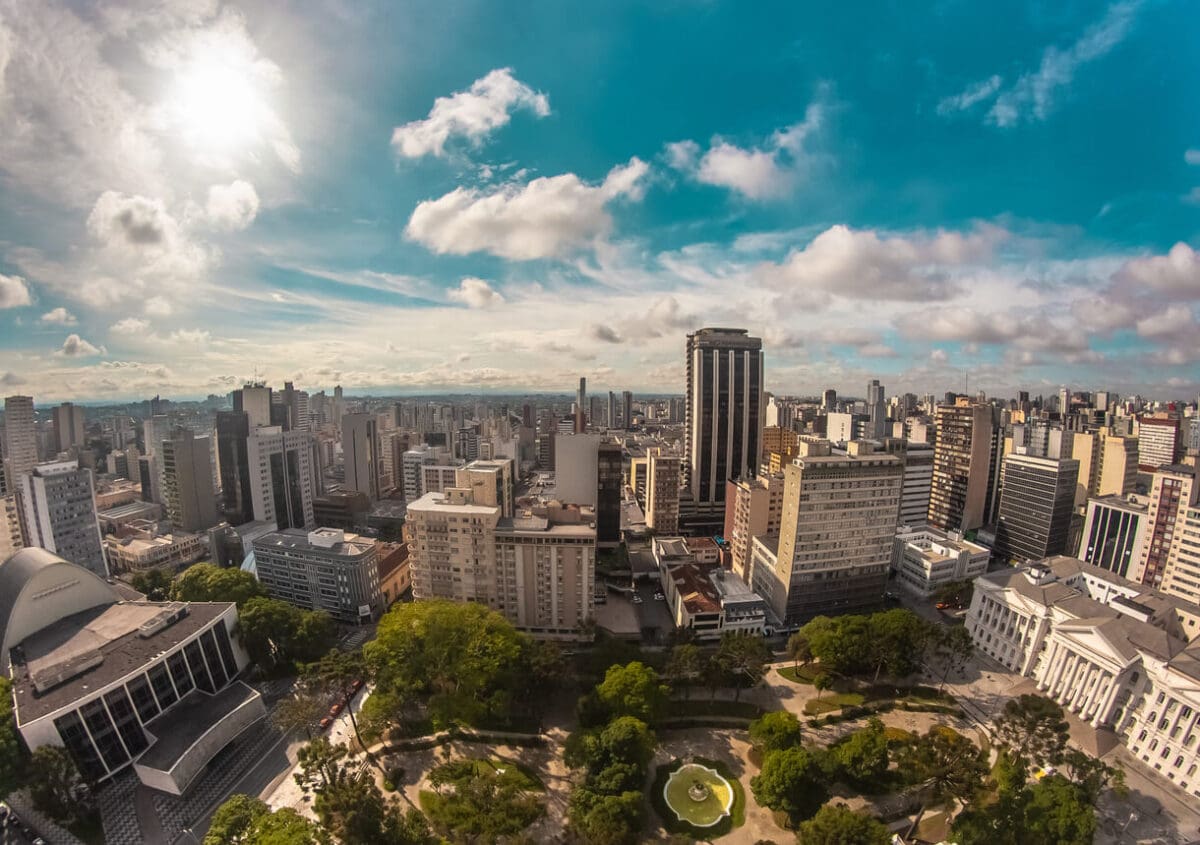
{"x": 510, "y": 424}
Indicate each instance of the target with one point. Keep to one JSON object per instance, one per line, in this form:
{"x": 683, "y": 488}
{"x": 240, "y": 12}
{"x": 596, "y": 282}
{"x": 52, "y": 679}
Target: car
{"x": 325, "y": 722}
{"x": 636, "y": 599}
{"x": 336, "y": 708}
{"x": 39, "y": 841}
{"x": 659, "y": 597}
{"x": 942, "y": 605}
{"x": 357, "y": 685}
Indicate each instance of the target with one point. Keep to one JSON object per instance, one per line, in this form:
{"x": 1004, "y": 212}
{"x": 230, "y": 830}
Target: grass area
{"x": 831, "y": 701}
{"x": 897, "y": 736}
{"x": 934, "y": 827}
{"x": 737, "y": 813}
{"x": 799, "y": 674}
{"x": 532, "y": 781}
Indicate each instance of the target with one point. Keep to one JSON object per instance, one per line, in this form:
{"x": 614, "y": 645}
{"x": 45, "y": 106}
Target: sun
{"x": 217, "y": 103}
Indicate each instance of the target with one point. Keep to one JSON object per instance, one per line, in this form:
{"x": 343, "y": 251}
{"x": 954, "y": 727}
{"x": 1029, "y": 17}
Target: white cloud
{"x": 1032, "y": 96}
{"x": 864, "y": 264}
{"x": 76, "y": 347}
{"x": 157, "y": 306}
{"x": 973, "y": 94}
{"x": 132, "y": 326}
{"x": 472, "y": 114}
{"x": 1175, "y": 275}
{"x": 232, "y": 207}
{"x": 549, "y": 216}
{"x": 13, "y": 292}
{"x": 1192, "y": 157}
{"x": 1175, "y": 322}
{"x": 758, "y": 173}
{"x": 59, "y": 316}
{"x": 476, "y": 293}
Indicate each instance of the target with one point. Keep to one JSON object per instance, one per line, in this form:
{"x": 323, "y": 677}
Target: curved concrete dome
{"x": 38, "y": 588}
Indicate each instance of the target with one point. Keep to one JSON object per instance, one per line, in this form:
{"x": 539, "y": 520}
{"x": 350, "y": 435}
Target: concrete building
{"x": 724, "y": 416}
{"x": 663, "y": 479}
{"x": 187, "y": 481}
{"x": 918, "y": 481}
{"x": 137, "y": 547}
{"x": 1116, "y": 654}
{"x": 491, "y": 483}
{"x": 1182, "y": 575}
{"x": 324, "y": 569}
{"x": 233, "y": 432}
{"x": 1173, "y": 490}
{"x": 254, "y": 400}
{"x": 608, "y": 495}
{"x": 282, "y": 482}
{"x": 413, "y": 461}
{"x": 837, "y": 528}
{"x": 876, "y": 411}
{"x": 155, "y": 429}
{"x": 120, "y": 684}
{"x": 842, "y": 428}
{"x": 360, "y": 451}
{"x": 1114, "y": 532}
{"x": 20, "y": 439}
{"x": 1035, "y": 507}
{"x": 1158, "y": 442}
{"x": 753, "y": 508}
{"x": 68, "y": 427}
{"x": 1117, "y": 466}
{"x": 927, "y": 559}
{"x": 961, "y": 459}
{"x": 437, "y": 478}
{"x": 576, "y": 467}
{"x": 58, "y": 513}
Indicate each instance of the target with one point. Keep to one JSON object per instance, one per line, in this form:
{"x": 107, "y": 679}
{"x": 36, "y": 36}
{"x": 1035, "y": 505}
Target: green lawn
{"x": 830, "y": 701}
{"x": 799, "y": 674}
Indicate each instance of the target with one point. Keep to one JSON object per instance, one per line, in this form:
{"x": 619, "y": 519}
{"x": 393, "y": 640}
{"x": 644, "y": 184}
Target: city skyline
{"x": 194, "y": 196}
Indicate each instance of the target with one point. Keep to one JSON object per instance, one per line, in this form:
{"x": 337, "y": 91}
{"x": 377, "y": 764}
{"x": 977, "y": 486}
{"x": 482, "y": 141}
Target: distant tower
{"x": 829, "y": 400}
{"x": 876, "y": 410}
{"x": 581, "y": 396}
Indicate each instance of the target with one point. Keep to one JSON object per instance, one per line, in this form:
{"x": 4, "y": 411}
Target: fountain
{"x": 698, "y": 795}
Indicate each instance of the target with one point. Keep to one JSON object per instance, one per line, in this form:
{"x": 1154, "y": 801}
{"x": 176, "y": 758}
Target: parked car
{"x": 636, "y": 599}
{"x": 336, "y": 708}
{"x": 659, "y": 597}
{"x": 942, "y": 605}
{"x": 357, "y": 685}
{"x": 325, "y": 722}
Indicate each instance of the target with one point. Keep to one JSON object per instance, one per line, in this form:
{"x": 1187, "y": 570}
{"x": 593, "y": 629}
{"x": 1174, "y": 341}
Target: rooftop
{"x": 437, "y": 503}
{"x": 695, "y": 589}
{"x": 327, "y": 540}
{"x": 96, "y": 648}
{"x": 183, "y": 725}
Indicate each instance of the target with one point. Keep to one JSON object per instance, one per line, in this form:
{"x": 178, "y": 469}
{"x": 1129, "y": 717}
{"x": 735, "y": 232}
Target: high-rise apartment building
{"x": 1173, "y": 490}
{"x": 837, "y": 529}
{"x": 233, "y": 430}
{"x": 360, "y": 443}
{"x": 627, "y": 409}
{"x": 187, "y": 481}
{"x": 282, "y": 483}
{"x": 918, "y": 481}
{"x": 962, "y": 456}
{"x": 1035, "y": 507}
{"x": 1182, "y": 575}
{"x": 155, "y": 429}
{"x": 663, "y": 478}
{"x": 324, "y": 569}
{"x": 753, "y": 507}
{"x": 609, "y": 484}
{"x": 413, "y": 462}
{"x": 1114, "y": 531}
{"x": 575, "y": 468}
{"x": 254, "y": 400}
{"x": 581, "y": 396}
{"x": 1117, "y": 465}
{"x": 1158, "y": 442}
{"x": 724, "y": 414}
{"x": 58, "y": 513}
{"x": 491, "y": 483}
{"x": 829, "y": 400}
{"x": 68, "y": 426}
{"x": 613, "y": 419}
{"x": 876, "y": 410}
{"x": 20, "y": 439}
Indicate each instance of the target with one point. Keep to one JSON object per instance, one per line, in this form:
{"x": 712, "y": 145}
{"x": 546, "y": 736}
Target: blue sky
{"x": 493, "y": 196}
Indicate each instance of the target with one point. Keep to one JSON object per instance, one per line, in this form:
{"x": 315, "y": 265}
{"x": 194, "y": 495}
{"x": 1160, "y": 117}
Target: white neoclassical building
{"x": 1119, "y": 655}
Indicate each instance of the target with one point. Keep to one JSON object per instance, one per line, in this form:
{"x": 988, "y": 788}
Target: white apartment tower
{"x": 20, "y": 438}
{"x": 282, "y": 477}
{"x": 58, "y": 513}
{"x": 360, "y": 446}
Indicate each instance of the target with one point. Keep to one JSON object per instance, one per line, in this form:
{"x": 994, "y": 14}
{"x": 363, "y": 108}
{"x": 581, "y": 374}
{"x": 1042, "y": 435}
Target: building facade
{"x": 753, "y": 508}
{"x": 663, "y": 479}
{"x": 360, "y": 451}
{"x": 187, "y": 480}
{"x": 58, "y": 513}
{"x": 233, "y": 432}
{"x": 961, "y": 458}
{"x": 20, "y": 439}
{"x": 1173, "y": 490}
{"x": 1036, "y": 504}
{"x": 927, "y": 559}
{"x": 282, "y": 482}
{"x": 324, "y": 569}
{"x": 1114, "y": 531}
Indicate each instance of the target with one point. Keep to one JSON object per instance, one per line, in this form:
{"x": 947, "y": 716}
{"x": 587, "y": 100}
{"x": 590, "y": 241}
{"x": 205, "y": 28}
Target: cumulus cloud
{"x": 129, "y": 326}
{"x": 865, "y": 264}
{"x": 14, "y": 293}
{"x": 764, "y": 172}
{"x": 476, "y": 293}
{"x": 1175, "y": 275}
{"x": 472, "y": 114}
{"x": 134, "y": 221}
{"x": 59, "y": 316}
{"x": 549, "y": 216}
{"x": 232, "y": 207}
{"x": 1192, "y": 157}
{"x": 76, "y": 347}
{"x": 157, "y": 306}
{"x": 603, "y": 333}
{"x": 1175, "y": 322}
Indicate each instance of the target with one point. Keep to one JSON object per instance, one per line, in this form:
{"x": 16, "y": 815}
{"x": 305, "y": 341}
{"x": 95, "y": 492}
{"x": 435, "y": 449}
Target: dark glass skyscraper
{"x": 233, "y": 428}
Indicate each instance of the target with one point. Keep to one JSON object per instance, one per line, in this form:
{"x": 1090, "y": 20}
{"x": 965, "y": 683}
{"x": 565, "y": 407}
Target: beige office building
{"x": 662, "y": 494}
{"x": 753, "y": 507}
{"x": 1173, "y": 490}
{"x": 961, "y": 458}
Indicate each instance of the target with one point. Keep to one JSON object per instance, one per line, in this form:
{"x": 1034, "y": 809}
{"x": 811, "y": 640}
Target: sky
{"x": 486, "y": 197}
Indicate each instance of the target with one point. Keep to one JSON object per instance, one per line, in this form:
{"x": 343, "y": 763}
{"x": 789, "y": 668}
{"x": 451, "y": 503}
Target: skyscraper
{"x": 282, "y": 483}
{"x": 187, "y": 481}
{"x": 961, "y": 459}
{"x": 608, "y": 495}
{"x": 581, "y": 395}
{"x": 255, "y": 401}
{"x": 20, "y": 438}
{"x": 359, "y": 450}
{"x": 876, "y": 410}
{"x": 612, "y": 410}
{"x": 627, "y": 409}
{"x": 68, "y": 426}
{"x": 1035, "y": 507}
{"x": 233, "y": 430}
{"x": 724, "y": 412}
{"x": 58, "y": 513}
{"x": 1172, "y": 491}
{"x": 662, "y": 494}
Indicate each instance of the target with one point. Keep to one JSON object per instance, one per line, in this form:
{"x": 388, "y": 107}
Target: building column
{"x": 1104, "y": 711}
{"x": 1094, "y": 694}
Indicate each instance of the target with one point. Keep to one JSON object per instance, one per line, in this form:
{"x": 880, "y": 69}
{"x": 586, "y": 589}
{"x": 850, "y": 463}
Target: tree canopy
{"x": 791, "y": 781}
{"x": 1033, "y": 729}
{"x": 947, "y": 763}
{"x": 484, "y": 803}
{"x": 633, "y": 690}
{"x": 892, "y": 641}
{"x": 862, "y": 757}
{"x": 1050, "y": 810}
{"x": 743, "y": 659}
{"x": 274, "y": 632}
{"x": 838, "y": 825}
{"x": 10, "y": 749}
{"x": 154, "y": 584}
{"x": 775, "y": 731}
{"x": 57, "y": 787}
{"x": 207, "y": 582}
{"x": 245, "y": 820}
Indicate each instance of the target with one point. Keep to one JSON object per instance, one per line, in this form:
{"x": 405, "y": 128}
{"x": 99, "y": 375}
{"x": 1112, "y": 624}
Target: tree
{"x": 335, "y": 674}
{"x": 303, "y": 711}
{"x": 837, "y": 825}
{"x": 775, "y": 731}
{"x": 607, "y": 819}
{"x": 633, "y": 690}
{"x": 685, "y": 666}
{"x": 952, "y": 647}
{"x": 791, "y": 781}
{"x": 320, "y": 764}
{"x": 314, "y": 633}
{"x": 485, "y": 804}
{"x": 863, "y": 756}
{"x": 841, "y": 644}
{"x": 799, "y": 649}
{"x": 744, "y": 658}
{"x": 56, "y": 786}
{"x": 1033, "y": 729}
{"x": 1050, "y": 810}
{"x": 154, "y": 584}
{"x": 624, "y": 741}
{"x": 544, "y": 668}
{"x": 945, "y": 763}
{"x": 822, "y": 682}
{"x": 898, "y": 639}
{"x": 1091, "y": 774}
{"x": 206, "y": 582}
{"x": 244, "y": 820}
{"x": 274, "y": 632}
{"x": 10, "y": 748}
{"x": 957, "y": 593}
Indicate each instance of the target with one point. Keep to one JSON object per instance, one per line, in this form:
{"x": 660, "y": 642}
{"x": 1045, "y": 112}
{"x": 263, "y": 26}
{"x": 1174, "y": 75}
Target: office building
{"x": 1158, "y": 442}
{"x": 576, "y": 467}
{"x": 1182, "y": 574}
{"x": 187, "y": 481}
{"x": 147, "y": 685}
{"x": 627, "y": 408}
{"x": 254, "y": 400}
{"x": 962, "y": 455}
{"x": 1035, "y": 507}
{"x": 1173, "y": 490}
{"x": 926, "y": 559}
{"x": 829, "y": 400}
{"x": 324, "y": 569}
{"x": 918, "y": 482}
{"x": 20, "y": 439}
{"x": 58, "y": 513}
{"x": 608, "y": 495}
{"x": 1114, "y": 531}
{"x": 282, "y": 484}
{"x": 613, "y": 419}
{"x": 581, "y": 396}
{"x": 837, "y": 529}
{"x": 360, "y": 444}
{"x": 663, "y": 478}
{"x": 876, "y": 411}
{"x": 753, "y": 507}
{"x": 68, "y": 427}
{"x": 155, "y": 429}
{"x": 233, "y": 431}
{"x": 140, "y": 546}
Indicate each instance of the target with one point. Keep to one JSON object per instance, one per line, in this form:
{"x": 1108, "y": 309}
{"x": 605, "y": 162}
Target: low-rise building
{"x": 395, "y": 571}
{"x": 927, "y": 559}
{"x": 326, "y": 569}
{"x": 1114, "y": 531}
{"x": 709, "y": 602}
{"x": 139, "y": 546}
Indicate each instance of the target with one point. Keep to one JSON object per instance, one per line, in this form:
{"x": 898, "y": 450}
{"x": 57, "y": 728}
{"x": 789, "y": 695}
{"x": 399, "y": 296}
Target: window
{"x": 160, "y": 681}
{"x": 104, "y": 734}
{"x": 76, "y": 740}
{"x": 196, "y": 660}
{"x": 121, "y": 710}
{"x": 143, "y": 698}
{"x": 179, "y": 673}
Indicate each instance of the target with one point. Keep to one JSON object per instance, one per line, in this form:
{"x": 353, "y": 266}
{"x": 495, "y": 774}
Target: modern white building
{"x": 1114, "y": 531}
{"x": 325, "y": 569}
{"x": 282, "y": 476}
{"x": 927, "y": 559}
{"x": 58, "y": 513}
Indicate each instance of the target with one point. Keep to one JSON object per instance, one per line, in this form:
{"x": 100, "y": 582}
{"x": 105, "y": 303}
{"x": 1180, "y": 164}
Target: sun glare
{"x": 217, "y": 104}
